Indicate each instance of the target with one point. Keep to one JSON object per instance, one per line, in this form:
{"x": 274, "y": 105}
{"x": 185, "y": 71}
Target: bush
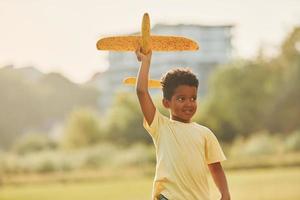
{"x": 292, "y": 143}
{"x": 46, "y": 166}
{"x": 125, "y": 122}
{"x": 137, "y": 155}
{"x": 260, "y": 143}
{"x": 82, "y": 129}
{"x": 33, "y": 142}
{"x": 97, "y": 157}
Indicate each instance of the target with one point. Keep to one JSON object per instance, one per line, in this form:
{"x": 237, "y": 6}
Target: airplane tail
{"x": 151, "y": 83}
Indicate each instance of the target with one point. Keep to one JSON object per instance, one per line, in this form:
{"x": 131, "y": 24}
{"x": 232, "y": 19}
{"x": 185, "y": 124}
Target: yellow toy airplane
{"x": 148, "y": 42}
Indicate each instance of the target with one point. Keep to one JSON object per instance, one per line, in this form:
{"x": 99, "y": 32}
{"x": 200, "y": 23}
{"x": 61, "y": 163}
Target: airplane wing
{"x": 157, "y": 43}
{"x": 122, "y": 43}
{"x": 172, "y": 43}
{"x": 151, "y": 83}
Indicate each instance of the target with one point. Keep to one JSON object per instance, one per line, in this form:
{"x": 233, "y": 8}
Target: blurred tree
{"x": 290, "y": 48}
{"x": 18, "y": 100}
{"x": 125, "y": 121}
{"x": 32, "y": 142}
{"x": 248, "y": 96}
{"x": 285, "y": 113}
{"x": 37, "y": 104}
{"x": 239, "y": 99}
{"x": 61, "y": 95}
{"x": 82, "y": 129}
{"x": 292, "y": 142}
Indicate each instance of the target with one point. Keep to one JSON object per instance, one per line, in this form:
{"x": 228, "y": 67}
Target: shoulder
{"x": 203, "y": 129}
{"x": 159, "y": 119}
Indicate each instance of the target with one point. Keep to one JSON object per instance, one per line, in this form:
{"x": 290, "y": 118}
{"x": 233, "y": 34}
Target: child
{"x": 184, "y": 149}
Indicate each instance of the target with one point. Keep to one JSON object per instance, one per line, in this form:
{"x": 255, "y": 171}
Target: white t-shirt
{"x": 183, "y": 151}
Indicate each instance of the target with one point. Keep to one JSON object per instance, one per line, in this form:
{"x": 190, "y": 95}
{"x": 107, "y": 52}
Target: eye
{"x": 193, "y": 98}
{"x": 180, "y": 99}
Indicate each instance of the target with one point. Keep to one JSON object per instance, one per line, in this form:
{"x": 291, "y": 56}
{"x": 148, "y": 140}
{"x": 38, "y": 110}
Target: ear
{"x": 166, "y": 103}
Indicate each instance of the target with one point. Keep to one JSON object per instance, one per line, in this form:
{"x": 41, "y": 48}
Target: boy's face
{"x": 183, "y": 104}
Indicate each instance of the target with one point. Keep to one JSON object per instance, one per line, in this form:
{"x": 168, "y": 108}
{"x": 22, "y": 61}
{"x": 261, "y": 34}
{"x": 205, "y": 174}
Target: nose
{"x": 190, "y": 103}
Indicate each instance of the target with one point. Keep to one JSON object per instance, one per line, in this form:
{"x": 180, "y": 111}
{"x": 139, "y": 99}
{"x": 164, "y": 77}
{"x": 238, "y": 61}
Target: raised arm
{"x": 144, "y": 97}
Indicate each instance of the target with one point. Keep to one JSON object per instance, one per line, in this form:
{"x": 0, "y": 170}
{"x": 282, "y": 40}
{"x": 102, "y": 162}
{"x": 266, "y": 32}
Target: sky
{"x": 61, "y": 35}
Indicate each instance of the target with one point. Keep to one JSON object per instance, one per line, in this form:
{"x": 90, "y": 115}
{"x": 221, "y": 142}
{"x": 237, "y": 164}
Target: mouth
{"x": 188, "y": 112}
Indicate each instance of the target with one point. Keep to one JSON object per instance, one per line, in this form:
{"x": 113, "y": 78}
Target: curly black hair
{"x": 176, "y": 77}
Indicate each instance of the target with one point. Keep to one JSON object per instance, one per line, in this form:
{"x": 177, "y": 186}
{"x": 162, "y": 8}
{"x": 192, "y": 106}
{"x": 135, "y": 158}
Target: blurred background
{"x": 69, "y": 128}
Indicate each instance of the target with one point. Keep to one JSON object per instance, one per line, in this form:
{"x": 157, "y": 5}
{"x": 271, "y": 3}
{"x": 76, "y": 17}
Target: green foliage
{"x": 39, "y": 162}
{"x": 82, "y": 129}
{"x": 33, "y": 142}
{"x": 137, "y": 155}
{"x": 65, "y": 95}
{"x": 292, "y": 143}
{"x": 101, "y": 156}
{"x": 290, "y": 48}
{"x": 244, "y": 97}
{"x": 285, "y": 113}
{"x": 264, "y": 143}
{"x": 125, "y": 121}
{"x": 239, "y": 99}
{"x": 27, "y": 104}
{"x": 259, "y": 143}
{"x": 247, "y": 96}
{"x": 98, "y": 156}
{"x": 18, "y": 99}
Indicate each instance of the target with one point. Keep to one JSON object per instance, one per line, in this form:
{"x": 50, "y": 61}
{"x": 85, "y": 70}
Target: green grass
{"x": 258, "y": 184}
{"x": 265, "y": 184}
{"x": 136, "y": 189}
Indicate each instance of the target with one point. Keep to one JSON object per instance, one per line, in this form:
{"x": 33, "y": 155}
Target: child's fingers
{"x": 138, "y": 56}
{"x": 138, "y": 48}
{"x": 138, "y": 53}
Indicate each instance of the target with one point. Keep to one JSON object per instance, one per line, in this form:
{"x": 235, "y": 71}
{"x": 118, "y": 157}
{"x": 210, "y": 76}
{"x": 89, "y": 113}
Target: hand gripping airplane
{"x": 147, "y": 42}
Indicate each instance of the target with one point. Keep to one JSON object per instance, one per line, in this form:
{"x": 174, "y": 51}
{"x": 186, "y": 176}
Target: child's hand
{"x": 225, "y": 197}
{"x": 143, "y": 57}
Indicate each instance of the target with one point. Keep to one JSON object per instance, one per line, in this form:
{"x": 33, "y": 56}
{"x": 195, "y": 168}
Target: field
{"x": 255, "y": 184}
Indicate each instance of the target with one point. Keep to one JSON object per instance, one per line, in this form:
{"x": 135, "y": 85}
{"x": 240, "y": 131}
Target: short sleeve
{"x": 213, "y": 150}
{"x": 153, "y": 128}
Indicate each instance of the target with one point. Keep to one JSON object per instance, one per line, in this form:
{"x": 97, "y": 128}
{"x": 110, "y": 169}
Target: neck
{"x": 180, "y": 120}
